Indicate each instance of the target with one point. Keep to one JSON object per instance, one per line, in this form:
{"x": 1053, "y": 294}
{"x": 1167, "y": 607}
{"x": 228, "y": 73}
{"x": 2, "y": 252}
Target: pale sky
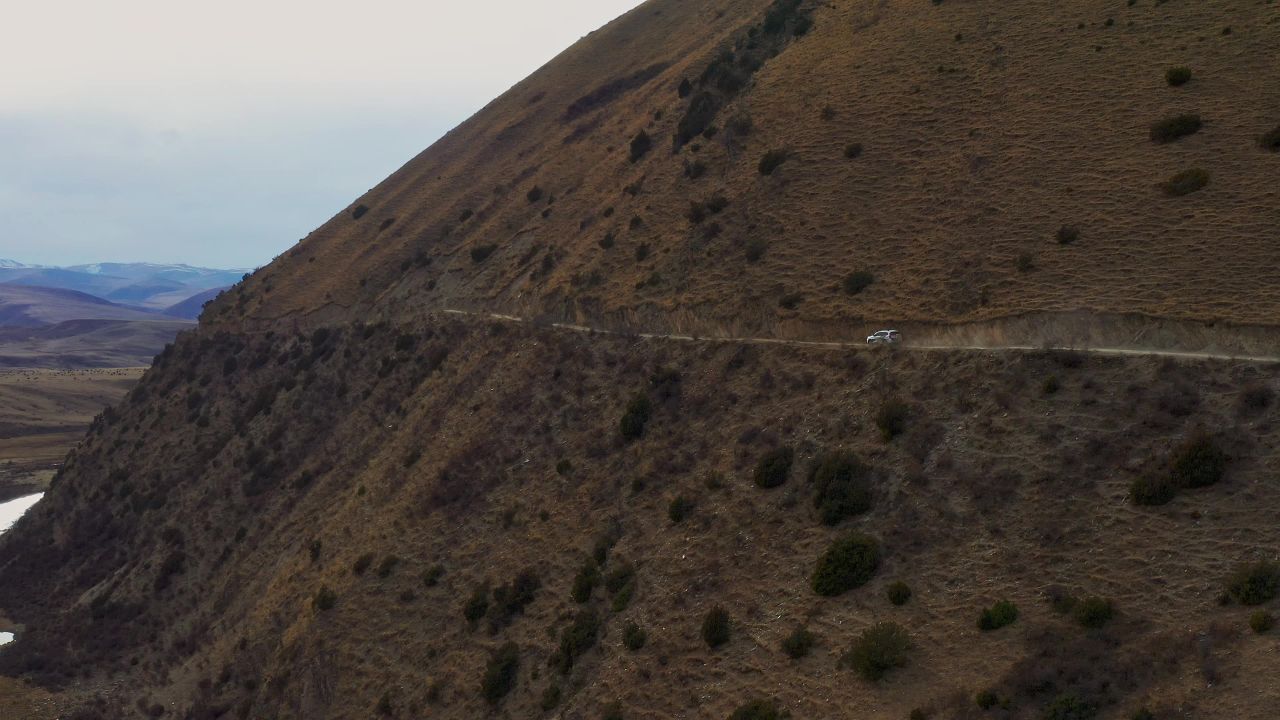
{"x": 219, "y": 133}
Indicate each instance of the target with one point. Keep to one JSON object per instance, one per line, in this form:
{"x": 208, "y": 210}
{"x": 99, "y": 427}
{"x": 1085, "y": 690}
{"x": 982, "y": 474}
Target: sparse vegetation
{"x": 715, "y": 627}
{"x": 899, "y": 593}
{"x": 771, "y": 161}
{"x": 1002, "y": 614}
{"x": 798, "y": 643}
{"x": 1185, "y": 182}
{"x": 849, "y": 563}
{"x": 1175, "y": 127}
{"x": 1255, "y": 584}
{"x": 1178, "y": 76}
{"x": 856, "y": 282}
{"x": 879, "y": 649}
{"x": 500, "y": 673}
{"x": 775, "y": 467}
{"x": 841, "y": 487}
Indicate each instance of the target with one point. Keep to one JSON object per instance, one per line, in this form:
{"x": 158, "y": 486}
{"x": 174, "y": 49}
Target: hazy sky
{"x": 219, "y": 133}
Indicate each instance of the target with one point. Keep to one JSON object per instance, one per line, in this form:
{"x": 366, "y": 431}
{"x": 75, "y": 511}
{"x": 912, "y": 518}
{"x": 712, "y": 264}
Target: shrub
{"x": 585, "y": 582}
{"x": 612, "y": 711}
{"x": 551, "y": 697}
{"x": 576, "y": 639}
{"x": 758, "y": 710}
{"x": 621, "y": 585}
{"x": 1256, "y": 398}
{"x": 899, "y": 593}
{"x": 477, "y": 605}
{"x": 798, "y": 643}
{"x": 986, "y": 699}
{"x": 997, "y": 616}
{"x": 755, "y": 249}
{"x": 1175, "y": 127}
{"x": 775, "y": 467}
{"x": 1067, "y": 234}
{"x": 840, "y": 486}
{"x": 500, "y": 673}
{"x": 1185, "y": 182}
{"x": 640, "y": 145}
{"x": 636, "y": 416}
{"x": 771, "y": 161}
{"x": 480, "y": 253}
{"x": 384, "y": 705}
{"x": 879, "y": 649}
{"x": 387, "y": 566}
{"x": 511, "y": 599}
{"x": 534, "y": 194}
{"x": 633, "y": 636}
{"x": 1025, "y": 262}
{"x": 1051, "y": 385}
{"x": 1255, "y": 584}
{"x": 1178, "y": 76}
{"x": 1069, "y": 706}
{"x": 1142, "y": 713}
{"x": 849, "y": 563}
{"x": 1198, "y": 462}
{"x": 1261, "y": 621}
{"x": 715, "y": 627}
{"x": 1151, "y": 489}
{"x": 324, "y": 599}
{"x": 1271, "y": 140}
{"x": 891, "y": 418}
{"x": 362, "y": 564}
{"x": 359, "y": 211}
{"x": 856, "y": 282}
{"x": 853, "y": 150}
{"x": 432, "y": 576}
{"x": 1093, "y": 612}
{"x": 679, "y": 509}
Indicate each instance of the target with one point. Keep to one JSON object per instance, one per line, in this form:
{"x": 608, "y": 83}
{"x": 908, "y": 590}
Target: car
{"x": 886, "y": 337}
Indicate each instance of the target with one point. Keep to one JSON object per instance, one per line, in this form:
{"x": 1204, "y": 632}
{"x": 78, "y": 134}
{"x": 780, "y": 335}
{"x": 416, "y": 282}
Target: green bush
{"x": 1271, "y": 140}
{"x": 775, "y": 467}
{"x": 1255, "y": 584}
{"x": 891, "y": 418}
{"x": 633, "y": 636}
{"x": 1067, "y": 234}
{"x": 325, "y": 599}
{"x": 1261, "y": 621}
{"x": 1178, "y": 76}
{"x": 362, "y": 564}
{"x": 758, "y": 710}
{"x": 841, "y": 487}
{"x": 1175, "y": 127}
{"x": 1185, "y": 182}
{"x": 715, "y": 627}
{"x": 640, "y": 145}
{"x": 534, "y": 194}
{"x": 1069, "y": 706}
{"x": 771, "y": 161}
{"x": 576, "y": 640}
{"x": 637, "y": 415}
{"x": 899, "y": 593}
{"x": 849, "y": 563}
{"x": 585, "y": 581}
{"x": 480, "y": 253}
{"x": 387, "y": 566}
{"x": 1198, "y": 462}
{"x": 500, "y": 673}
{"x": 997, "y": 616}
{"x": 511, "y": 599}
{"x": 679, "y": 509}
{"x": 1093, "y": 612}
{"x": 477, "y": 605}
{"x": 798, "y": 643}
{"x": 853, "y": 150}
{"x": 621, "y": 585}
{"x": 879, "y": 649}
{"x": 1152, "y": 488}
{"x": 856, "y": 282}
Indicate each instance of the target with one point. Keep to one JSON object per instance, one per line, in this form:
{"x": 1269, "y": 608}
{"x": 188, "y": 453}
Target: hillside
{"x": 336, "y": 500}
{"x": 33, "y": 307}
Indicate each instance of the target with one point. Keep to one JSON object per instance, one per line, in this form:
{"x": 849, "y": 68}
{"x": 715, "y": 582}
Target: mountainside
{"x": 147, "y": 285}
{"x": 38, "y": 307}
{"x": 335, "y": 500}
{"x": 190, "y": 308}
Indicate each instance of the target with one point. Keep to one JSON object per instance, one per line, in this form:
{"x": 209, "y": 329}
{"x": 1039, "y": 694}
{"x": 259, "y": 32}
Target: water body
{"x": 12, "y": 510}
{"x": 6, "y": 637}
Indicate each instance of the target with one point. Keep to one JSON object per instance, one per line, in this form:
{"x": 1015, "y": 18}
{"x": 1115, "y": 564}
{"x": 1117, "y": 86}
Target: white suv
{"x": 884, "y": 336}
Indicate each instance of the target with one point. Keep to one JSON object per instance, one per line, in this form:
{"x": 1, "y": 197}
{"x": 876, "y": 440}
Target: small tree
{"x": 640, "y": 145}
{"x": 849, "y": 563}
{"x": 899, "y": 593}
{"x": 1255, "y": 584}
{"x": 1093, "y": 612}
{"x": 891, "y": 418}
{"x": 715, "y": 627}
{"x": 997, "y": 616}
{"x": 798, "y": 643}
{"x": 775, "y": 467}
{"x": 771, "y": 161}
{"x": 500, "y": 673}
{"x": 879, "y": 649}
{"x": 1178, "y": 76}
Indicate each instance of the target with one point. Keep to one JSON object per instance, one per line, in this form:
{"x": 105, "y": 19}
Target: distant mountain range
{"x": 101, "y": 314}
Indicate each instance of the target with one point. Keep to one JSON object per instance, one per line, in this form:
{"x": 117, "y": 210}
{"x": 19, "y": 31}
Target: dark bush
{"x": 384, "y": 705}
{"x": 849, "y": 563}
{"x": 551, "y": 697}
{"x": 1142, "y": 714}
{"x": 387, "y": 566}
{"x": 324, "y": 599}
{"x": 841, "y": 487}
{"x": 640, "y": 145}
{"x": 879, "y": 649}
{"x": 1051, "y": 385}
{"x": 480, "y": 253}
{"x": 1261, "y": 621}
{"x": 1256, "y": 398}
{"x": 1069, "y": 706}
{"x": 576, "y": 640}
{"x": 359, "y": 212}
{"x": 362, "y": 564}
{"x": 585, "y": 581}
{"x": 1067, "y": 234}
{"x": 620, "y": 583}
{"x": 775, "y": 467}
{"x": 1152, "y": 488}
{"x": 633, "y": 636}
{"x": 755, "y": 249}
{"x": 1093, "y": 612}
{"x": 500, "y": 673}
{"x": 1175, "y": 127}
{"x": 511, "y": 599}
{"x": 891, "y": 418}
{"x": 1198, "y": 462}
{"x": 790, "y": 301}
{"x": 1178, "y": 76}
{"x": 986, "y": 699}
{"x": 633, "y": 422}
{"x": 477, "y": 605}
{"x": 534, "y": 194}
{"x": 1185, "y": 182}
{"x": 853, "y": 150}
{"x": 432, "y": 576}
{"x": 1025, "y": 262}
{"x": 899, "y": 593}
{"x": 771, "y": 161}
{"x": 997, "y": 616}
{"x": 1255, "y": 584}
{"x": 758, "y": 710}
{"x": 1271, "y": 140}
{"x": 715, "y": 627}
{"x": 856, "y": 282}
{"x": 679, "y": 509}
{"x": 798, "y": 643}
